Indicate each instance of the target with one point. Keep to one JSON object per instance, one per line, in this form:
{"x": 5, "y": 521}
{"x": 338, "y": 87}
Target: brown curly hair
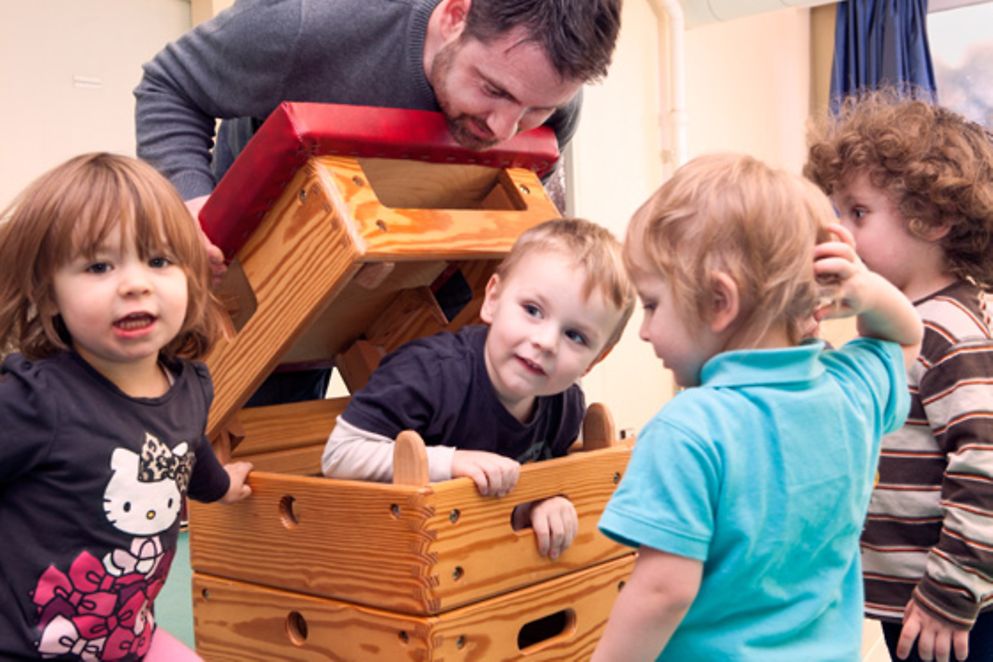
{"x": 936, "y": 165}
{"x": 69, "y": 211}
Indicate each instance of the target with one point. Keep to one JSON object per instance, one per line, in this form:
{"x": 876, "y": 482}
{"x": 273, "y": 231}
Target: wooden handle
{"x": 410, "y": 460}
{"x": 598, "y": 428}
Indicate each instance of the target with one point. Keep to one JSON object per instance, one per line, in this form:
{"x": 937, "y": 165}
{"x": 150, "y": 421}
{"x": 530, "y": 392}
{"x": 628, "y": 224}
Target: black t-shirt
{"x": 438, "y": 386}
{"x": 91, "y": 483}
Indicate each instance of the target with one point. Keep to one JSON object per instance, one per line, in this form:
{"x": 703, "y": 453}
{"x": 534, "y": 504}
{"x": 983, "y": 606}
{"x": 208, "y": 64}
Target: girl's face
{"x": 120, "y": 309}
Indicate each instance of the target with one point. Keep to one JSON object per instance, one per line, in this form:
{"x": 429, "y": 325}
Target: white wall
{"x": 747, "y": 87}
{"x": 67, "y": 68}
{"x": 747, "y": 90}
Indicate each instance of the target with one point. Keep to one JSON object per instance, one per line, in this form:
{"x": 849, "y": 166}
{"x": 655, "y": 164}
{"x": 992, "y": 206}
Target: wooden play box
{"x": 351, "y": 231}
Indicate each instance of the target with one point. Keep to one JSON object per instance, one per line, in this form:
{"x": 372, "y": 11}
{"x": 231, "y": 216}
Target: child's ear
{"x": 490, "y": 298}
{"x": 930, "y": 232}
{"x": 725, "y": 302}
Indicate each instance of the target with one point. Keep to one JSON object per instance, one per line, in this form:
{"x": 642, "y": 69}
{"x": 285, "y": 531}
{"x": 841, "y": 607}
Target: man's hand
{"x": 555, "y": 525}
{"x": 238, "y": 489}
{"x": 494, "y": 475}
{"x": 214, "y": 254}
{"x": 935, "y": 637}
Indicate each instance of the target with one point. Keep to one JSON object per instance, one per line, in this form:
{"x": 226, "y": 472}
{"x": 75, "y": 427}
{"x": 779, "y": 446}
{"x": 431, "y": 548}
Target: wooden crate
{"x": 561, "y": 619}
{"x": 339, "y": 263}
{"x": 419, "y": 550}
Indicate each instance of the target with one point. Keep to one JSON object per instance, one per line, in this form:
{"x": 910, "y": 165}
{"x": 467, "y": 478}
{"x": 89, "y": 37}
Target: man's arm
{"x": 234, "y": 65}
{"x": 651, "y": 605}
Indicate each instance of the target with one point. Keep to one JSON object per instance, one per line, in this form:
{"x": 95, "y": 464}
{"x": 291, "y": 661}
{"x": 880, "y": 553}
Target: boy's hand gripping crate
{"x": 353, "y": 230}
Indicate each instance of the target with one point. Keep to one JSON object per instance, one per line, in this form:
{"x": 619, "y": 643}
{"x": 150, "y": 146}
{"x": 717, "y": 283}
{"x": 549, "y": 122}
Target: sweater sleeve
{"x": 957, "y": 396}
{"x": 356, "y": 454}
{"x": 234, "y": 65}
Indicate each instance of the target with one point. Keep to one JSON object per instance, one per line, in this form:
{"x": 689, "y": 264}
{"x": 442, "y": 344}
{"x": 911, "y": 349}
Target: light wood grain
{"x": 403, "y": 233}
{"x": 303, "y": 230}
{"x": 291, "y": 425}
{"x": 598, "y": 428}
{"x": 410, "y": 460}
{"x": 244, "y": 622}
{"x": 418, "y": 550}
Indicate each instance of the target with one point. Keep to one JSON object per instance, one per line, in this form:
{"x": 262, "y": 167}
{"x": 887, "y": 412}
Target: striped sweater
{"x": 929, "y": 533}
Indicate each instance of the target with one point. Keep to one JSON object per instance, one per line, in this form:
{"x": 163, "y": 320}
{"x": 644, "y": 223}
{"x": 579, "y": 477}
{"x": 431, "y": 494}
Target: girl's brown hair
{"x": 936, "y": 166}
{"x": 69, "y": 211}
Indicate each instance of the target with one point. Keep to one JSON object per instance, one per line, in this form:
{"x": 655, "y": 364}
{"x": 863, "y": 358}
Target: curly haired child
{"x": 103, "y": 309}
{"x": 745, "y": 494}
{"x": 914, "y": 184}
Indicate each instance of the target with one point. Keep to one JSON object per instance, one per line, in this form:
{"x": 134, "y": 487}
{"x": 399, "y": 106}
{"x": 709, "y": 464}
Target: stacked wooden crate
{"x": 352, "y": 231}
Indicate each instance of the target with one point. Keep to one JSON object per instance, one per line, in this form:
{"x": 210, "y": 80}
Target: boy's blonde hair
{"x": 733, "y": 214}
{"x": 595, "y": 251}
{"x": 69, "y": 211}
{"x": 936, "y": 166}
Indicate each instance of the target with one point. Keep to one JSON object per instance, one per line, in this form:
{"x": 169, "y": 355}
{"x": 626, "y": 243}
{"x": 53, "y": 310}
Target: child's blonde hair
{"x": 69, "y": 211}
{"x": 594, "y": 250}
{"x": 733, "y": 214}
{"x": 936, "y": 166}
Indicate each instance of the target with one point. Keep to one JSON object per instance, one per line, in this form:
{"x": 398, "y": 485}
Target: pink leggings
{"x": 166, "y": 648}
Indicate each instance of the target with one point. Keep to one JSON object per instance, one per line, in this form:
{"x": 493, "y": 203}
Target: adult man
{"x": 493, "y": 67}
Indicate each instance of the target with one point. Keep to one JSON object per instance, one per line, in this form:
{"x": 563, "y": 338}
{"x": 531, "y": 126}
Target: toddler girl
{"x": 103, "y": 308}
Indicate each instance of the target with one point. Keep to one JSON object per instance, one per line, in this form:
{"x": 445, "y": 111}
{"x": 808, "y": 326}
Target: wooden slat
{"x": 444, "y": 233}
{"x": 296, "y": 261}
{"x": 351, "y": 543}
{"x": 280, "y": 427}
{"x": 242, "y": 622}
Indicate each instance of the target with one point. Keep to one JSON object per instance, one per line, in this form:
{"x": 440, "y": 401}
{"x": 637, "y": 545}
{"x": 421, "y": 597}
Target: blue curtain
{"x": 882, "y": 43}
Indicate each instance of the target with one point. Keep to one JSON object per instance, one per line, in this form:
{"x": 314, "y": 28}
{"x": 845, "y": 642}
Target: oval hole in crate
{"x": 296, "y": 628}
{"x": 521, "y": 520}
{"x": 287, "y": 512}
{"x": 542, "y": 630}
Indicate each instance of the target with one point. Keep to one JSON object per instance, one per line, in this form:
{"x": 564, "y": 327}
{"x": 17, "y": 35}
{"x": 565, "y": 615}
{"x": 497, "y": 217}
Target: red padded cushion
{"x": 296, "y": 131}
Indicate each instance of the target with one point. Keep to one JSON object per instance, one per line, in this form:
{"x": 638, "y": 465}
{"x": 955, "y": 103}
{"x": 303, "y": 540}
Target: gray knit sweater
{"x": 248, "y": 59}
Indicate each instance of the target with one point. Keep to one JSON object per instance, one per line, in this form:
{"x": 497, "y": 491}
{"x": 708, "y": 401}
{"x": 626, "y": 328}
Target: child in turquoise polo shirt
{"x": 746, "y": 493}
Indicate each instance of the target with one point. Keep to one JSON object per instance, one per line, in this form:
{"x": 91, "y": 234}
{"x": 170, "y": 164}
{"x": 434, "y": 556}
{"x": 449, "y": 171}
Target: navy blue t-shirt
{"x": 91, "y": 483}
{"x": 439, "y": 387}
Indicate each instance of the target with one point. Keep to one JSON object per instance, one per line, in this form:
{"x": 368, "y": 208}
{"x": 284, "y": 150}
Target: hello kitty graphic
{"x": 100, "y": 609}
{"x": 143, "y": 499}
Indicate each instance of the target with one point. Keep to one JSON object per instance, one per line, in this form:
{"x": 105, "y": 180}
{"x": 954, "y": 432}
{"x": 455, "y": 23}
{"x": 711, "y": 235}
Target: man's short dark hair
{"x": 577, "y": 35}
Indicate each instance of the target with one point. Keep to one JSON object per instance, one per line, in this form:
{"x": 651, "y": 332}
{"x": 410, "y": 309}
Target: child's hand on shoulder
{"x": 841, "y": 274}
{"x": 238, "y": 489}
{"x": 494, "y": 475}
{"x": 555, "y": 524}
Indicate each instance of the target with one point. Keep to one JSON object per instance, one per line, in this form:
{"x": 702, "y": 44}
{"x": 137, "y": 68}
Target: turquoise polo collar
{"x": 754, "y": 367}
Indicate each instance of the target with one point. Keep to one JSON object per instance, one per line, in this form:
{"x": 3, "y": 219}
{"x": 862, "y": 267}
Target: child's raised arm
{"x": 882, "y": 310}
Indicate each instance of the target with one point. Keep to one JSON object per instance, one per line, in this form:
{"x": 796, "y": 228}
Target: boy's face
{"x": 682, "y": 346}
{"x": 882, "y": 238}
{"x": 543, "y": 334}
